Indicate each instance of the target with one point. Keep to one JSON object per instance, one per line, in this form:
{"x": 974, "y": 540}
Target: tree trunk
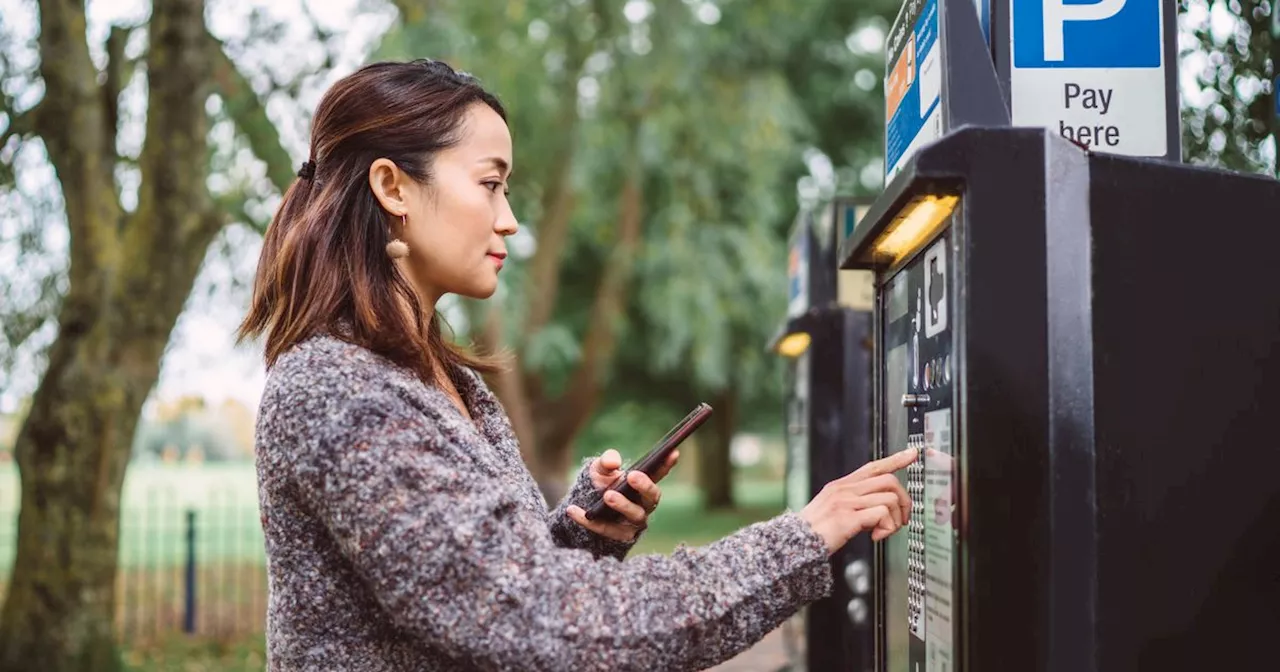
{"x": 74, "y": 445}
{"x": 574, "y": 408}
{"x": 558, "y": 199}
{"x": 72, "y": 452}
{"x": 715, "y": 468}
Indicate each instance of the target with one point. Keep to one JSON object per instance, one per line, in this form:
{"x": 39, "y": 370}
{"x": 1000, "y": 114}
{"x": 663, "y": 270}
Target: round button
{"x": 857, "y": 575}
{"x": 858, "y": 611}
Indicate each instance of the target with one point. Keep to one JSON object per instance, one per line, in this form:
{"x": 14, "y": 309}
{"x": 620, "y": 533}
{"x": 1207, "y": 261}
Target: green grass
{"x": 185, "y": 654}
{"x": 681, "y": 518}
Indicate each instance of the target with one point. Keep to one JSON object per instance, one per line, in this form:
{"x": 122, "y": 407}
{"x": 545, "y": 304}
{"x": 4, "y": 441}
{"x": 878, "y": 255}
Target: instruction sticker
{"x": 935, "y": 289}
{"x": 939, "y": 542}
{"x": 913, "y": 83}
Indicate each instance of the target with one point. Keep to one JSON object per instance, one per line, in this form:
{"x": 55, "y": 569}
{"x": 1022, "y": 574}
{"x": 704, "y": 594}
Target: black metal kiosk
{"x": 828, "y": 432}
{"x": 1085, "y": 349}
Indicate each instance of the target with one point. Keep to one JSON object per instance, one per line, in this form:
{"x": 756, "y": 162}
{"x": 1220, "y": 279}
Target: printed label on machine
{"x": 798, "y": 276}
{"x": 935, "y": 289}
{"x": 1093, "y": 72}
{"x": 798, "y": 482}
{"x": 939, "y": 541}
{"x": 913, "y": 83}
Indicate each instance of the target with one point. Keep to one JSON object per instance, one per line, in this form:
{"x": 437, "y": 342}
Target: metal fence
{"x": 187, "y": 564}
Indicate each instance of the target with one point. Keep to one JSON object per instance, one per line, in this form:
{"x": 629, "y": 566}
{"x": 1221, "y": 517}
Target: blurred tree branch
{"x": 84, "y": 157}
{"x": 118, "y": 72}
{"x": 21, "y": 126}
{"x": 579, "y": 401}
{"x": 557, "y": 198}
{"x": 250, "y": 116}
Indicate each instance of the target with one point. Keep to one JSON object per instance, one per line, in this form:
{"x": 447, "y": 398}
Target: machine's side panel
{"x": 1188, "y": 467}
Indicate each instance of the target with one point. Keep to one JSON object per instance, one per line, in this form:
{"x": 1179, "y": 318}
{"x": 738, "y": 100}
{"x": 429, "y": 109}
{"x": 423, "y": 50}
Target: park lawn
{"x": 681, "y": 518}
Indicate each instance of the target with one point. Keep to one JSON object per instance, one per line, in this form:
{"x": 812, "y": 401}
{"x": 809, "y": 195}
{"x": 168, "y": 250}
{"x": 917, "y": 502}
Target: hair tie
{"x": 308, "y": 170}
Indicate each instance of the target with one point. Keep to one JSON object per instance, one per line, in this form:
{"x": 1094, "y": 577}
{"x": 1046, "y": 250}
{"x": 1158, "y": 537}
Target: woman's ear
{"x": 388, "y": 184}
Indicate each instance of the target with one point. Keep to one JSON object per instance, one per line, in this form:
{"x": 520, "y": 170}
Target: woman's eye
{"x": 493, "y": 186}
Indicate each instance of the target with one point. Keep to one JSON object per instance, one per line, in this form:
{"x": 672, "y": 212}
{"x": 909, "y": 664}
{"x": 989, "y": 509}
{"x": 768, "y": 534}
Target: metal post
{"x": 189, "y": 599}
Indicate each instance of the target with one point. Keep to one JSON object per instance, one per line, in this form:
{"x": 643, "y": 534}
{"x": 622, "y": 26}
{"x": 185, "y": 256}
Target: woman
{"x": 403, "y": 530}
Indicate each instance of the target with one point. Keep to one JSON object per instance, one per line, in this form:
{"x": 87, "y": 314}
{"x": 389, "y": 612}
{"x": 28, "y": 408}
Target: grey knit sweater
{"x": 401, "y": 536}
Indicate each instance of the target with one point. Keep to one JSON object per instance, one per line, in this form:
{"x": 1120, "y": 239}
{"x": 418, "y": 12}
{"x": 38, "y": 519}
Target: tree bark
{"x": 129, "y": 279}
{"x": 250, "y": 116}
{"x": 715, "y": 468}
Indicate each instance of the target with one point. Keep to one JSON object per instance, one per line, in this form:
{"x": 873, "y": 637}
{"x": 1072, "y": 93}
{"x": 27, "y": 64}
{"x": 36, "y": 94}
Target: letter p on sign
{"x": 1057, "y": 14}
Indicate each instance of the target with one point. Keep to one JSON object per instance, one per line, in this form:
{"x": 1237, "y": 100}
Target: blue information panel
{"x": 1094, "y": 34}
{"x": 913, "y": 86}
{"x": 798, "y": 274}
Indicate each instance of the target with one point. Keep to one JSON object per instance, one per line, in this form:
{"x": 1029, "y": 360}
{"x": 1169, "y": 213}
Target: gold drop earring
{"x": 398, "y": 249}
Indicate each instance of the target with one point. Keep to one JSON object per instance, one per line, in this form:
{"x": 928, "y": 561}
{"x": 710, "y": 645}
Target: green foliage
{"x": 1227, "y": 117}
{"x": 722, "y": 133}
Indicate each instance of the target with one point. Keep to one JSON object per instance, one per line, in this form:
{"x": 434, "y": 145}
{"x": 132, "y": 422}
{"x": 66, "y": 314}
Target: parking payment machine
{"x": 826, "y": 340}
{"x": 1078, "y": 334}
{"x": 1082, "y": 347}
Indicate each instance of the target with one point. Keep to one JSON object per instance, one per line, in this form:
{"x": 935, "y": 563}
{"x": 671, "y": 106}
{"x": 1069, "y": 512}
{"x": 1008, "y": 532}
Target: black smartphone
{"x": 650, "y": 463}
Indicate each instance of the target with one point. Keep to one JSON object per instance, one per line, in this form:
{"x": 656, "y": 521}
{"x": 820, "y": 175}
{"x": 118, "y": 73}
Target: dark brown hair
{"x": 324, "y": 266}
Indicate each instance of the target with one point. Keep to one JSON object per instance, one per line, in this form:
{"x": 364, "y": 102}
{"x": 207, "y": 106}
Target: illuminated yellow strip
{"x": 918, "y": 221}
{"x": 794, "y": 345}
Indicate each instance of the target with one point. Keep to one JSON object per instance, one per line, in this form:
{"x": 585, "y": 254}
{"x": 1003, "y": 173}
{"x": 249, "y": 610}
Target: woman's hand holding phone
{"x": 605, "y": 471}
{"x": 871, "y": 498}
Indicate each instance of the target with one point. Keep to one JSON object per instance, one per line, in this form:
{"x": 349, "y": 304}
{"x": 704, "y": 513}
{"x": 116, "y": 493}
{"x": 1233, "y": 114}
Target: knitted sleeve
{"x": 459, "y": 564}
{"x": 569, "y": 534}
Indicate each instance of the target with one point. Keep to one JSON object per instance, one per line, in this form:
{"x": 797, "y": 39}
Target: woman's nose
{"x": 506, "y": 224}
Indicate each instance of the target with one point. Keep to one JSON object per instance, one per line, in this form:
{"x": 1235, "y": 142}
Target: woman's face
{"x": 456, "y": 225}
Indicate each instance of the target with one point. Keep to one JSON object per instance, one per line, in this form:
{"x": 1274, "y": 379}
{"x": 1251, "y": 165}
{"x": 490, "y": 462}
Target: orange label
{"x": 900, "y": 79}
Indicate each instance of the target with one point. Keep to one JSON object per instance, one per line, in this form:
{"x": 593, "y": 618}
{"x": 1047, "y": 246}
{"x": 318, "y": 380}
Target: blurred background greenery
{"x": 663, "y": 150}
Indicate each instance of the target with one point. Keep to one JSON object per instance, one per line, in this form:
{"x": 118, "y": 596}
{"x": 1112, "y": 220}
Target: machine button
{"x": 858, "y": 576}
{"x": 858, "y": 611}
{"x": 914, "y": 400}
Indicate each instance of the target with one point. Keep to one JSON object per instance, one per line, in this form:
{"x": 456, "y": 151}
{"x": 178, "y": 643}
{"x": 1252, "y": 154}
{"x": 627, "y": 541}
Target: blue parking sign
{"x": 1086, "y": 33}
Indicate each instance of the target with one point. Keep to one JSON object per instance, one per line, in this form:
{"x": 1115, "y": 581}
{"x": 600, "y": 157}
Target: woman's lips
{"x": 498, "y": 258}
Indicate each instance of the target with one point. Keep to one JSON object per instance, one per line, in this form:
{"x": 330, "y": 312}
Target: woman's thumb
{"x": 609, "y": 462}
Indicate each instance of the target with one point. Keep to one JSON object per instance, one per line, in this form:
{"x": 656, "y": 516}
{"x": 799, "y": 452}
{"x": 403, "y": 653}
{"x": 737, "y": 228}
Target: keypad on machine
{"x": 915, "y": 538}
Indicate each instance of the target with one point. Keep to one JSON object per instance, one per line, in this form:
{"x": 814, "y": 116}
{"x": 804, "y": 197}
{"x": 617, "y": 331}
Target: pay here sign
{"x": 1093, "y": 70}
